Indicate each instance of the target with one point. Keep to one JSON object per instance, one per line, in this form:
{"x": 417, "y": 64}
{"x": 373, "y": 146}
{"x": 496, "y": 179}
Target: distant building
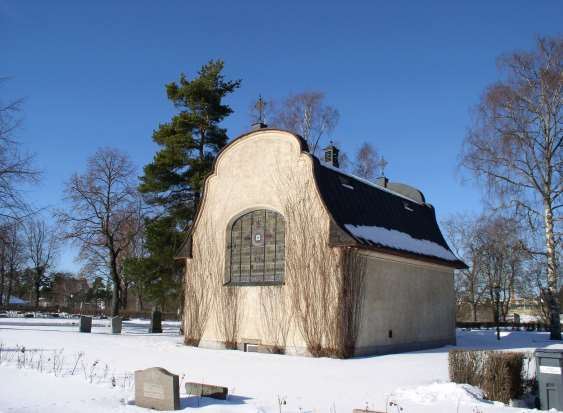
{"x": 289, "y": 253}
{"x": 17, "y": 301}
{"x": 69, "y": 291}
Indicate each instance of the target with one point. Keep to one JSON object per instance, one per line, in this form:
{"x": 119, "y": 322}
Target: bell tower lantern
{"x": 331, "y": 155}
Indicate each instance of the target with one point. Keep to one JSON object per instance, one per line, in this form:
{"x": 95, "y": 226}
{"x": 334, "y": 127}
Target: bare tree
{"x": 15, "y": 167}
{"x": 11, "y": 258}
{"x": 492, "y": 246}
{"x": 101, "y": 204}
{"x": 4, "y": 243}
{"x": 133, "y": 248}
{"x": 515, "y": 146}
{"x": 41, "y": 243}
{"x": 367, "y": 162}
{"x": 501, "y": 255}
{"x": 306, "y": 114}
{"x": 470, "y": 284}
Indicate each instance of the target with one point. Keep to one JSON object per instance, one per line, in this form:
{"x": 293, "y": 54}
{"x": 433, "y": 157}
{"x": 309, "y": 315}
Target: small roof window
{"x": 345, "y": 182}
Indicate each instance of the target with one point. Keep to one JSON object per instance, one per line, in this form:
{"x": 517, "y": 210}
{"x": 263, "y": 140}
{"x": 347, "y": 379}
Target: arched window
{"x": 256, "y": 248}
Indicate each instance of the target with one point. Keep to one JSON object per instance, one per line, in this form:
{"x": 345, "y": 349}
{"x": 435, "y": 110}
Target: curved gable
{"x": 248, "y": 162}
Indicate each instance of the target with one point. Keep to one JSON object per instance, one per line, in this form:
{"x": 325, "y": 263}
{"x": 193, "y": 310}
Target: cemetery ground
{"x": 46, "y": 365}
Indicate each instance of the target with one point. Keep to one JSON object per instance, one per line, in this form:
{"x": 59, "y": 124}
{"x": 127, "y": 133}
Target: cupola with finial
{"x": 331, "y": 155}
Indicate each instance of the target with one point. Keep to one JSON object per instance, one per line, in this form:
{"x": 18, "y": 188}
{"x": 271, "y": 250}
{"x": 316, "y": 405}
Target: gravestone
{"x": 516, "y": 322}
{"x": 116, "y": 325}
{"x": 517, "y": 318}
{"x": 157, "y": 388}
{"x": 156, "y": 322}
{"x": 85, "y": 324}
{"x": 207, "y": 390}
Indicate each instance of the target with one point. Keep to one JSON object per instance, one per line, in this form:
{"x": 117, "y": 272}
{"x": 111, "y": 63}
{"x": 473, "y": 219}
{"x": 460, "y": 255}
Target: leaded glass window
{"x": 256, "y": 248}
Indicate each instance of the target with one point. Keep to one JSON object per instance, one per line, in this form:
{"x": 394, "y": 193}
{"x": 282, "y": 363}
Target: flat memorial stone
{"x": 85, "y": 324}
{"x": 365, "y": 411}
{"x": 207, "y": 390}
{"x": 157, "y": 388}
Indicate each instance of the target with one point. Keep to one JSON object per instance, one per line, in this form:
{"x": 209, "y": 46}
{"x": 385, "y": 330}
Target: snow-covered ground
{"x": 103, "y": 365}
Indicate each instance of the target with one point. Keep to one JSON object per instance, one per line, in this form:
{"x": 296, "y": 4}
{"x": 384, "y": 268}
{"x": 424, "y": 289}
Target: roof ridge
{"x": 365, "y": 181}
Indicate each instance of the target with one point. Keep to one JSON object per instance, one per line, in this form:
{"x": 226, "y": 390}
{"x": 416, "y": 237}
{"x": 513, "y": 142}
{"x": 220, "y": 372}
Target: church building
{"x": 290, "y": 254}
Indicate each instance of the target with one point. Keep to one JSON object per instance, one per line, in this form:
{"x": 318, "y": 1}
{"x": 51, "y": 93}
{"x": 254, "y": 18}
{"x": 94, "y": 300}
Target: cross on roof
{"x": 382, "y": 163}
{"x": 260, "y": 107}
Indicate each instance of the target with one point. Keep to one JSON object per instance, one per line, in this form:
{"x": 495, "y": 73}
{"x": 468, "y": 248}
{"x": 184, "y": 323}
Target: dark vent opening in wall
{"x": 251, "y": 348}
{"x": 390, "y": 333}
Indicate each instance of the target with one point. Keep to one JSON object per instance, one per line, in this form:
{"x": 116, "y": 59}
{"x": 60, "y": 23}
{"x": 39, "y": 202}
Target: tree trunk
{"x": 2, "y": 277}
{"x": 37, "y": 285}
{"x": 474, "y": 311}
{"x": 36, "y": 296}
{"x": 553, "y": 294}
{"x": 9, "y": 292}
{"x": 115, "y": 301}
{"x": 124, "y": 296}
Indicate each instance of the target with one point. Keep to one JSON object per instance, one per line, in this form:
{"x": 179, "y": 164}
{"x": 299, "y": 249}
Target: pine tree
{"x": 171, "y": 183}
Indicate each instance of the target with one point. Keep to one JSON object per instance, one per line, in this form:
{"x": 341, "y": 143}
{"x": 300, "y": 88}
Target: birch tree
{"x": 307, "y": 114}
{"x": 367, "y": 162}
{"x": 514, "y": 146}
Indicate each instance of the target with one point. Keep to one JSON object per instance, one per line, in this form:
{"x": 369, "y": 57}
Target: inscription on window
{"x": 256, "y": 248}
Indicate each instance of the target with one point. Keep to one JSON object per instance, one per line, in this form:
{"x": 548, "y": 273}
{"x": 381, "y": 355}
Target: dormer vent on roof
{"x": 407, "y": 191}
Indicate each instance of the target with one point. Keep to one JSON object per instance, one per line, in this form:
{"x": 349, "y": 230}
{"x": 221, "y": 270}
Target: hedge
{"x": 497, "y": 373}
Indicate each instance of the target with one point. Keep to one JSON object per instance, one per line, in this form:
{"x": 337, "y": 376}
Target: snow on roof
{"x": 399, "y": 240}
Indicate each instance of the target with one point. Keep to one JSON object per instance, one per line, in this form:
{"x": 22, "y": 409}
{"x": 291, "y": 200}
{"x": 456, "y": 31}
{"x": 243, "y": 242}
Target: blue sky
{"x": 403, "y": 75}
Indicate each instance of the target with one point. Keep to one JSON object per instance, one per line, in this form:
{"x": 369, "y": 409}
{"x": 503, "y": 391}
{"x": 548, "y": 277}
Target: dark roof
{"x": 352, "y": 201}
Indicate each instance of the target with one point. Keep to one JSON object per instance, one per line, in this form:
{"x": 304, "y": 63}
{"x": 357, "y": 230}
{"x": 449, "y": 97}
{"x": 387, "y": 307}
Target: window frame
{"x": 238, "y": 281}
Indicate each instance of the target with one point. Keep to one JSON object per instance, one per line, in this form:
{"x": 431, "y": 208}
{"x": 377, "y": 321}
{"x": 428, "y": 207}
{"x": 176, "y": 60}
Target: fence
{"x": 55, "y": 310}
{"x": 487, "y": 325}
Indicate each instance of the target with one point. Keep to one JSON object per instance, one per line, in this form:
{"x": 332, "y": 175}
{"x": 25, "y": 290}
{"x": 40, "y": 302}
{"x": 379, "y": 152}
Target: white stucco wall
{"x": 256, "y": 171}
{"x": 413, "y": 299}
